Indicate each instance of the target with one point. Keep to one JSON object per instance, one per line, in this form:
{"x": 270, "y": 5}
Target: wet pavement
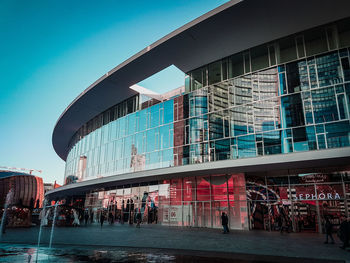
{"x": 156, "y": 243}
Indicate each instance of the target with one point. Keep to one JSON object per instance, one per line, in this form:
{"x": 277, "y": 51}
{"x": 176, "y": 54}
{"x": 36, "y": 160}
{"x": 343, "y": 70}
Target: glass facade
{"x": 290, "y": 95}
{"x": 301, "y": 105}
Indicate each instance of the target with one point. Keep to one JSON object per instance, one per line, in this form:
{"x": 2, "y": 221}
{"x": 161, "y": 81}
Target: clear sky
{"x": 50, "y": 51}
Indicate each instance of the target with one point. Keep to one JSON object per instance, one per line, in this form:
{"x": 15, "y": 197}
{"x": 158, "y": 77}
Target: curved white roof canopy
{"x": 228, "y": 29}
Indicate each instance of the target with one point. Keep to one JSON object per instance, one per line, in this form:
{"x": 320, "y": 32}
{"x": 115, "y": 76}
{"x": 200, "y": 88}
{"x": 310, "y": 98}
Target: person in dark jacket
{"x": 344, "y": 232}
{"x": 102, "y": 219}
{"x": 328, "y": 227}
{"x": 224, "y": 222}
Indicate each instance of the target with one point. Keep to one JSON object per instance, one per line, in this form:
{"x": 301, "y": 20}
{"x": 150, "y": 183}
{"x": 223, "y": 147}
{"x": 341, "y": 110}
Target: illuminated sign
{"x": 320, "y": 196}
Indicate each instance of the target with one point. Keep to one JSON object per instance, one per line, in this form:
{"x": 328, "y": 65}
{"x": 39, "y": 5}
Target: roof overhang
{"x": 228, "y": 29}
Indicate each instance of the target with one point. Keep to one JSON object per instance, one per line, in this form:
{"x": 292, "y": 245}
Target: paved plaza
{"x": 253, "y": 244}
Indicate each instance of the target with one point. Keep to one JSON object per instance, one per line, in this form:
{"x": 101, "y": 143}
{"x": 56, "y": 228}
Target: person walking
{"x": 328, "y": 227}
{"x": 102, "y": 219}
{"x": 138, "y": 218}
{"x": 344, "y": 232}
{"x": 224, "y": 222}
{"x": 86, "y": 217}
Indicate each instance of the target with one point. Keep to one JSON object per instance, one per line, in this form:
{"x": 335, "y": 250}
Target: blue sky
{"x": 52, "y": 50}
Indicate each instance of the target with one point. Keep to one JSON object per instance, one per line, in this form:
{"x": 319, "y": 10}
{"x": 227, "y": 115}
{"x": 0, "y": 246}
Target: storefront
{"x": 251, "y": 202}
{"x": 303, "y": 200}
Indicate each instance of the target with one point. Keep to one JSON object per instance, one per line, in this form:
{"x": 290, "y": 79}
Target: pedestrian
{"x": 76, "y": 221}
{"x": 102, "y": 219}
{"x": 138, "y": 218}
{"x": 284, "y": 224}
{"x": 86, "y": 217}
{"x": 328, "y": 227}
{"x": 343, "y": 232}
{"x": 224, "y": 222}
{"x": 92, "y": 217}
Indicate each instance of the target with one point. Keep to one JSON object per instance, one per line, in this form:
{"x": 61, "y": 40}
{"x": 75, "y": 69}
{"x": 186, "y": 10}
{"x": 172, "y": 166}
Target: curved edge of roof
{"x": 202, "y": 35}
{"x": 151, "y": 46}
{"x": 140, "y": 53}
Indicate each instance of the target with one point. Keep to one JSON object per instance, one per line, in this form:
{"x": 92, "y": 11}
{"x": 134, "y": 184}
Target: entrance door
{"x": 203, "y": 214}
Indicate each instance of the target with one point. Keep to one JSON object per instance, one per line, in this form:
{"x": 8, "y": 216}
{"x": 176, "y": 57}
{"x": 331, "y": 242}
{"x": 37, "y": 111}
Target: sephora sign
{"x": 320, "y": 196}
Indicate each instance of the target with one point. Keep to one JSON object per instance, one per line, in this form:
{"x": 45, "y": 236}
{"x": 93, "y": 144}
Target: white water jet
{"x": 53, "y": 224}
{"x": 42, "y": 219}
{"x": 9, "y": 197}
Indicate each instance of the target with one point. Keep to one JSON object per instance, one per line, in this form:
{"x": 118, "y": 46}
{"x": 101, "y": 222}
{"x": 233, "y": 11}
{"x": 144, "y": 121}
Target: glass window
{"x": 224, "y": 69}
{"x": 236, "y": 66}
{"x": 324, "y": 105}
{"x": 315, "y": 41}
{"x": 292, "y": 111}
{"x": 344, "y": 32}
{"x": 259, "y": 57}
{"x": 346, "y": 68}
{"x": 272, "y": 142}
{"x": 300, "y": 139}
{"x": 287, "y": 50}
{"x": 300, "y": 46}
{"x": 215, "y": 126}
{"x": 222, "y": 149}
{"x": 272, "y": 55}
{"x": 246, "y": 146}
{"x": 338, "y": 134}
{"x": 214, "y": 72}
{"x": 328, "y": 69}
{"x": 198, "y": 78}
{"x": 343, "y": 113}
{"x": 332, "y": 37}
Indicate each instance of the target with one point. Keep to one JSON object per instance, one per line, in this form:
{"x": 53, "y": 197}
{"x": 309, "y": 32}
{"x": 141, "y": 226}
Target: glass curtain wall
{"x": 288, "y": 96}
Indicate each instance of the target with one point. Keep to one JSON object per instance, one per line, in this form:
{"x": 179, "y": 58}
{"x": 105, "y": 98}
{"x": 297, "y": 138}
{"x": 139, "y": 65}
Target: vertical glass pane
{"x": 315, "y": 41}
{"x": 292, "y": 111}
{"x": 272, "y": 55}
{"x": 236, "y": 67}
{"x": 300, "y": 47}
{"x": 342, "y": 106}
{"x": 344, "y": 32}
{"x": 214, "y": 72}
{"x": 346, "y": 68}
{"x": 287, "y": 50}
{"x": 328, "y": 69}
{"x": 321, "y": 141}
{"x": 338, "y": 134}
{"x": 259, "y": 57}
{"x": 324, "y": 105}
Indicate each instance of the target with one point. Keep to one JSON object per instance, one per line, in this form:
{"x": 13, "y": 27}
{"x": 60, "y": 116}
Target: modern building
{"x": 260, "y": 129}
